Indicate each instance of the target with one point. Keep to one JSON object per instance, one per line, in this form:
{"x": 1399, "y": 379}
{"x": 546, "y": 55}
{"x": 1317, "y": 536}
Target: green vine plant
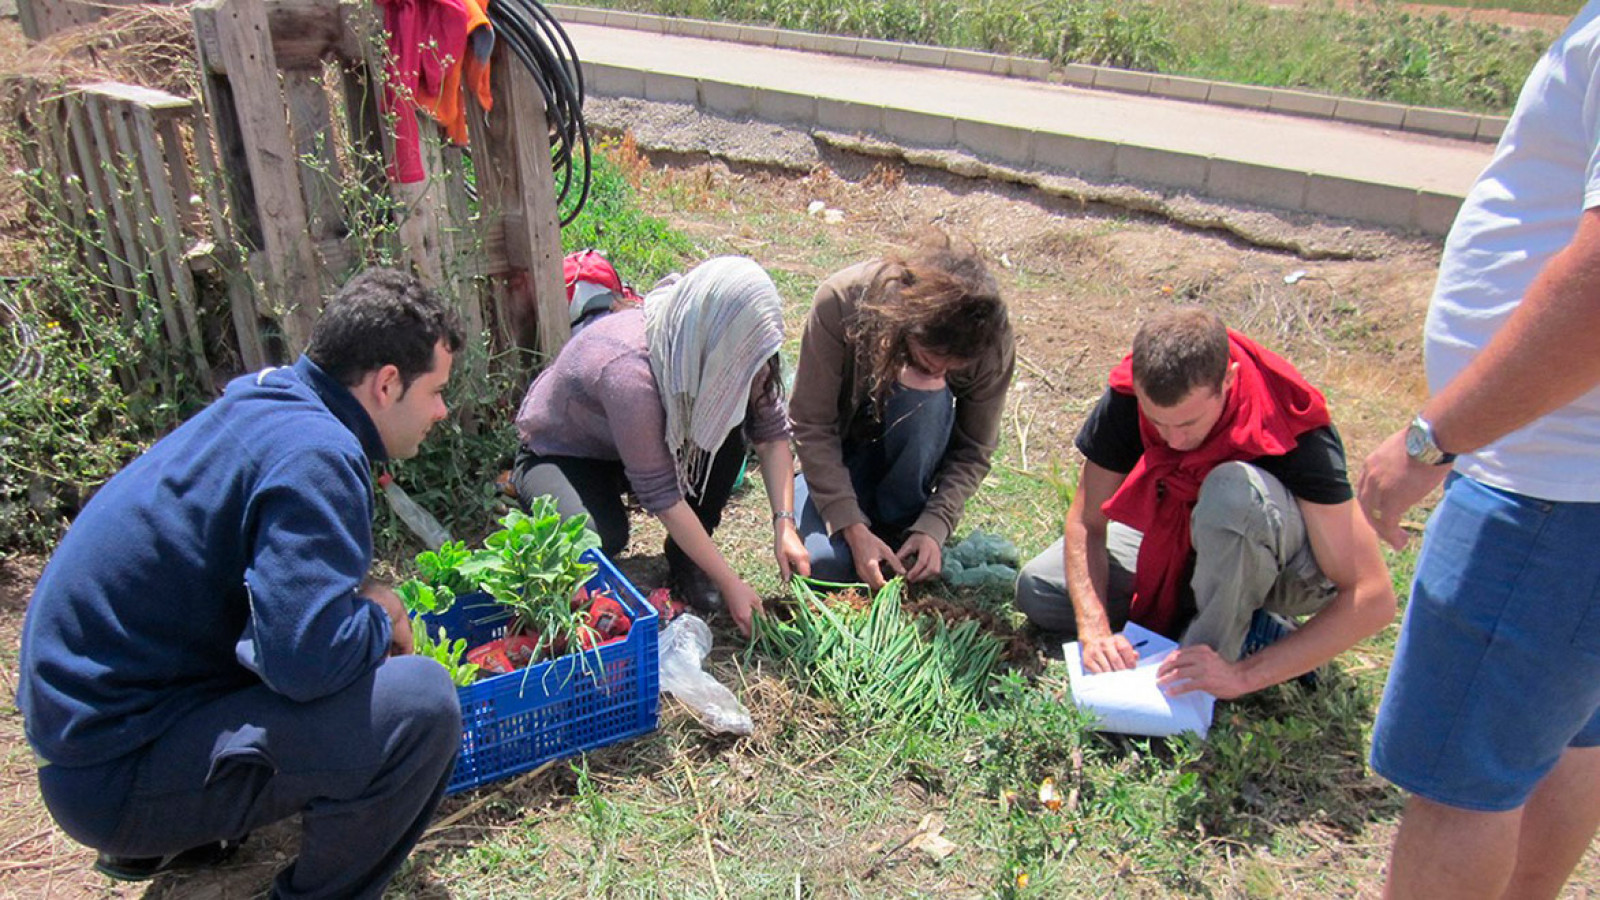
{"x": 421, "y": 599}
{"x": 531, "y": 566}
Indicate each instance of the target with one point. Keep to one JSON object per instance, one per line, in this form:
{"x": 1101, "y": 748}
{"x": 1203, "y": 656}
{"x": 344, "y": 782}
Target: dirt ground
{"x": 1079, "y": 263}
{"x": 1077, "y": 274}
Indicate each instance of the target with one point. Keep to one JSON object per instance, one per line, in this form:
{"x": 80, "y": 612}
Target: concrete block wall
{"x": 1445, "y": 123}
{"x": 1226, "y": 179}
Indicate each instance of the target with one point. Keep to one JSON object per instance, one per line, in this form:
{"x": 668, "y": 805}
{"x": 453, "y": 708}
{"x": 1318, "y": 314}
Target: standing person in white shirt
{"x": 1491, "y": 718}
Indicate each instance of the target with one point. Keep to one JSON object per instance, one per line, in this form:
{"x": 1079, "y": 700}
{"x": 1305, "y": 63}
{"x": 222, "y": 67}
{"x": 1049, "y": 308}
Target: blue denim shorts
{"x": 1498, "y": 667}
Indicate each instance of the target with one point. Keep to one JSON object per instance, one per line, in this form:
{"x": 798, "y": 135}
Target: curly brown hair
{"x": 941, "y": 295}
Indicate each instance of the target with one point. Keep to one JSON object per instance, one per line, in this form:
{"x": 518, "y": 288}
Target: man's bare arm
{"x": 1347, "y": 552}
{"x": 1088, "y": 570}
{"x": 1546, "y": 356}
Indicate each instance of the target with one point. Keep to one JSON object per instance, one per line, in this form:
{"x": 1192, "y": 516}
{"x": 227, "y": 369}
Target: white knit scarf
{"x": 709, "y": 333}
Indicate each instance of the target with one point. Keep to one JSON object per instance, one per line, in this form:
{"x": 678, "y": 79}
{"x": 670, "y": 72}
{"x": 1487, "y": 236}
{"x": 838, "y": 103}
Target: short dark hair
{"x": 941, "y": 296}
{"x": 1178, "y": 351}
{"x": 382, "y": 317}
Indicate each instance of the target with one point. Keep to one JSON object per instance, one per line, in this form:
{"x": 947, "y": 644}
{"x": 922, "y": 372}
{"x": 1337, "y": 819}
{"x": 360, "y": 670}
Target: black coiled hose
{"x": 535, "y": 37}
{"x": 28, "y": 362}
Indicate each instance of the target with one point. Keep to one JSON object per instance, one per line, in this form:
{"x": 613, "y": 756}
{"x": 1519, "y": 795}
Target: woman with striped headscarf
{"x": 661, "y": 401}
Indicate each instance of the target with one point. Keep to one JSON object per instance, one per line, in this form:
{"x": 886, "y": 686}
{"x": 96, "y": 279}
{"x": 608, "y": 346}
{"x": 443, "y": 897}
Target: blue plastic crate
{"x": 517, "y": 721}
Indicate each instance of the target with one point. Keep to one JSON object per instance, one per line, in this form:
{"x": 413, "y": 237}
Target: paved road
{"x": 1183, "y": 133}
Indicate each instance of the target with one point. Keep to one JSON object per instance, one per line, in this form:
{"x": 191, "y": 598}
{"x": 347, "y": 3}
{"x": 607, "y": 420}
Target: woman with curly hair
{"x": 904, "y": 366}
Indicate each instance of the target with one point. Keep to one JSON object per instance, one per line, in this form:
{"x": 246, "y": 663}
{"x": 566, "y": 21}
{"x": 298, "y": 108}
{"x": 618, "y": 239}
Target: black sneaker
{"x": 144, "y": 868}
{"x": 1267, "y": 629}
{"x": 692, "y": 586}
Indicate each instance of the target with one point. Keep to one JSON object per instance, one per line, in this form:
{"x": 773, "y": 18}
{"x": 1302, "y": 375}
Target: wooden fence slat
{"x": 312, "y": 126}
{"x": 59, "y": 159}
{"x": 512, "y": 159}
{"x": 169, "y": 236}
{"x": 463, "y": 244}
{"x": 366, "y": 125}
{"x": 418, "y": 208}
{"x": 42, "y": 18}
{"x": 94, "y": 152}
{"x": 142, "y": 215}
{"x": 177, "y": 168}
{"x": 244, "y": 45}
{"x": 241, "y": 298}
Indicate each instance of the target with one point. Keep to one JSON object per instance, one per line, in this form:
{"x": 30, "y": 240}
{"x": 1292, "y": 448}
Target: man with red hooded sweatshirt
{"x": 1213, "y": 503}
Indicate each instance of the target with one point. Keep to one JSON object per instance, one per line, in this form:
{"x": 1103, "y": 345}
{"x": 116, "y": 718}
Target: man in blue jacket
{"x": 204, "y": 655}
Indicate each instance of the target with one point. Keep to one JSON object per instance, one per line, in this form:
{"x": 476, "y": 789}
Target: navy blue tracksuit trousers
{"x": 365, "y": 767}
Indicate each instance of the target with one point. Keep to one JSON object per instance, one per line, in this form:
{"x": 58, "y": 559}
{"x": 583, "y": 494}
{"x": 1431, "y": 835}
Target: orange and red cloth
{"x": 434, "y": 46}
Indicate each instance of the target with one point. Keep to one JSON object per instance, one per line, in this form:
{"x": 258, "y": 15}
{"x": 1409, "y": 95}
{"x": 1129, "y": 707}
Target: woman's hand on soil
{"x": 928, "y": 556}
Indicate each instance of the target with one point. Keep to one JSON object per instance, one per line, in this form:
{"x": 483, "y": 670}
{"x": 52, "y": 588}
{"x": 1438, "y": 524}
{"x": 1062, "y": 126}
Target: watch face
{"x": 1416, "y": 442}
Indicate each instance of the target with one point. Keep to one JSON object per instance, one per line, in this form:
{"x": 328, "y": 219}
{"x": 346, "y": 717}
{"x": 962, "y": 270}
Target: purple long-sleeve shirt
{"x": 599, "y": 400}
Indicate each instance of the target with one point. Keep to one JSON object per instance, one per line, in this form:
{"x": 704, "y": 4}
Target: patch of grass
{"x": 84, "y": 385}
{"x": 641, "y": 247}
{"x": 1376, "y": 51}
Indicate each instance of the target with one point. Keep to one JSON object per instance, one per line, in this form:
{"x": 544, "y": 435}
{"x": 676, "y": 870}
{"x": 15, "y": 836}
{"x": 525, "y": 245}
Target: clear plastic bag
{"x": 419, "y": 520}
{"x": 684, "y": 644}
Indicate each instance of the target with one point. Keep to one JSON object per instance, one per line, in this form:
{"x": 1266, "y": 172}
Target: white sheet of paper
{"x": 1129, "y": 702}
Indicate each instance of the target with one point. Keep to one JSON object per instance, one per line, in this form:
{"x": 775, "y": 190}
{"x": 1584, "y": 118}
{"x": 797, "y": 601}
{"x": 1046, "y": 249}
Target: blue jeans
{"x": 892, "y": 471}
{"x": 365, "y": 767}
{"x": 1497, "y": 671}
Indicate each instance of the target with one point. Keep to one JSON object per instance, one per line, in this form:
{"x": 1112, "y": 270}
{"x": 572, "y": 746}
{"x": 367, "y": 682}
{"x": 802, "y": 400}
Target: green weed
{"x": 84, "y": 385}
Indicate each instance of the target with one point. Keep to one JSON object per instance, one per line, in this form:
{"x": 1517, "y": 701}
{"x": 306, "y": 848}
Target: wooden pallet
{"x": 268, "y": 93}
{"x": 117, "y": 151}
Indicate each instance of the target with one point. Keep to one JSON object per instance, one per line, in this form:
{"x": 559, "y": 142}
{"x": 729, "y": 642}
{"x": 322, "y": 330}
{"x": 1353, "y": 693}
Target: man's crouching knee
{"x": 422, "y": 707}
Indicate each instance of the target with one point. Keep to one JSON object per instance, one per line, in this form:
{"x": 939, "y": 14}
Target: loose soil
{"x": 1078, "y": 273}
{"x": 1080, "y": 264}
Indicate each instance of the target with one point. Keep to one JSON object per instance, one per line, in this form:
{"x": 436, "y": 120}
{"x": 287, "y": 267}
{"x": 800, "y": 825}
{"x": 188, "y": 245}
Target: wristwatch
{"x": 1421, "y": 446}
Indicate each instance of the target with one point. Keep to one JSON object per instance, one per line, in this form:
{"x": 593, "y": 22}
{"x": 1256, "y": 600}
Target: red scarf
{"x": 1267, "y": 409}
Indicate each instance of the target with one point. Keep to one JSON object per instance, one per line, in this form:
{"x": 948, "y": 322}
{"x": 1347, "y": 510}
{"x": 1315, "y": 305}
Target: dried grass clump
{"x": 149, "y": 45}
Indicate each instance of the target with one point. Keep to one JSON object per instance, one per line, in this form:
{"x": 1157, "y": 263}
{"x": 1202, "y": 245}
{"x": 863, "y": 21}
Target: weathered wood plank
{"x": 167, "y": 226}
{"x": 311, "y": 123}
{"x": 42, "y": 18}
{"x": 225, "y": 246}
{"x": 303, "y": 33}
{"x": 243, "y": 43}
{"x": 366, "y": 125}
{"x": 59, "y": 160}
{"x": 463, "y": 243}
{"x": 135, "y": 189}
{"x": 95, "y": 152}
{"x": 418, "y": 207}
{"x": 515, "y": 177}
{"x": 190, "y": 216}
